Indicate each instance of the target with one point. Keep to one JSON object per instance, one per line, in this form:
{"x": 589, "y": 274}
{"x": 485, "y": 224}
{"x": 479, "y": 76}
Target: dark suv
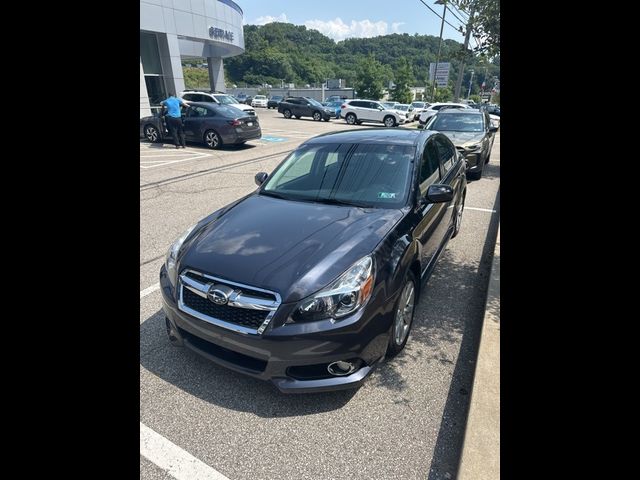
{"x": 313, "y": 278}
{"x": 304, "y": 107}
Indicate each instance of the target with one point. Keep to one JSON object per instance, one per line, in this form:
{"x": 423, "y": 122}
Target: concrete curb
{"x": 480, "y": 459}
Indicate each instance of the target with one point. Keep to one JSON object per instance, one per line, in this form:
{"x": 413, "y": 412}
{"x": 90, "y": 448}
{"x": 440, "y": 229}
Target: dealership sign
{"x": 220, "y": 34}
{"x": 442, "y": 75}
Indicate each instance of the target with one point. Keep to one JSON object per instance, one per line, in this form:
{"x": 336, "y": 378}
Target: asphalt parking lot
{"x": 199, "y": 420}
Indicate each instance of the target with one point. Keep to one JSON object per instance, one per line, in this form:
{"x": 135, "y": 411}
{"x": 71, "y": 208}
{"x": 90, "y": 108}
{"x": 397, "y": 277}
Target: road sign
{"x": 442, "y": 77}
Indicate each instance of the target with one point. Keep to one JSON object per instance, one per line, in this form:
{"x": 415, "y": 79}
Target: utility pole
{"x": 435, "y": 69}
{"x": 456, "y": 94}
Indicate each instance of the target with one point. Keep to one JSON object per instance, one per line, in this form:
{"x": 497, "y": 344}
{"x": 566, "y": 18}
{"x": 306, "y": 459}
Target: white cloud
{"x": 395, "y": 26}
{"x": 338, "y": 30}
{"x": 269, "y": 19}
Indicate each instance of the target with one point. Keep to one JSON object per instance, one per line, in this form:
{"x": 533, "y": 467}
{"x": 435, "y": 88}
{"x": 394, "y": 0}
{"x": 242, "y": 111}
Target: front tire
{"x": 317, "y": 116}
{"x": 403, "y": 318}
{"x": 351, "y": 119}
{"x": 287, "y": 113}
{"x": 212, "y": 139}
{"x": 151, "y": 133}
{"x": 389, "y": 121}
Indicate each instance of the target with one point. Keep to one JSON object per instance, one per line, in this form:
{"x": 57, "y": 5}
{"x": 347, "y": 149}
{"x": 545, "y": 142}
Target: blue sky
{"x": 341, "y": 19}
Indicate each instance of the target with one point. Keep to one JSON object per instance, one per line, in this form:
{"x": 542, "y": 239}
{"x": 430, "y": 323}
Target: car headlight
{"x": 343, "y": 297}
{"x": 473, "y": 147}
{"x": 172, "y": 254}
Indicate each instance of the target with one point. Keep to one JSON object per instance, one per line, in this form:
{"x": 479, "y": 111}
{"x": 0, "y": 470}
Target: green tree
{"x": 475, "y": 98}
{"x": 443, "y": 94}
{"x": 404, "y": 79}
{"x": 486, "y": 23}
{"x": 196, "y": 78}
{"x": 369, "y": 78}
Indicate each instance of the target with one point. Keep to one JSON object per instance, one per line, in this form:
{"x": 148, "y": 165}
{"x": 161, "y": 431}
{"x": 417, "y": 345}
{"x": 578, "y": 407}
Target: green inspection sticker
{"x": 386, "y": 195}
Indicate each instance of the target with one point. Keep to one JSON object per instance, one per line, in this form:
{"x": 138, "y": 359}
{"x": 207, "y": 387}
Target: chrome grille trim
{"x": 238, "y": 299}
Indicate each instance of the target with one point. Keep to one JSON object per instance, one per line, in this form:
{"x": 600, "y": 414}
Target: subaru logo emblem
{"x": 217, "y": 296}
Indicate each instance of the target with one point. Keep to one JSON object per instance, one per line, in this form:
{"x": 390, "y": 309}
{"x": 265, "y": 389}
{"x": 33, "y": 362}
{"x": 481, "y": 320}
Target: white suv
{"x": 219, "y": 98}
{"x": 259, "y": 101}
{"x": 358, "y": 111}
{"x": 434, "y": 107}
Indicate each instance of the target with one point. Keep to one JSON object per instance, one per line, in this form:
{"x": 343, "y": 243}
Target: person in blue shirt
{"x": 173, "y": 118}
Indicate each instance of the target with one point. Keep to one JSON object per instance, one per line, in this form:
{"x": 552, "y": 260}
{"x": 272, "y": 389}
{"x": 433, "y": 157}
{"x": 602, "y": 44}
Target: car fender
{"x": 403, "y": 253}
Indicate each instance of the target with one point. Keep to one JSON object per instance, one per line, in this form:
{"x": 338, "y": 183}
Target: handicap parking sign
{"x": 270, "y": 138}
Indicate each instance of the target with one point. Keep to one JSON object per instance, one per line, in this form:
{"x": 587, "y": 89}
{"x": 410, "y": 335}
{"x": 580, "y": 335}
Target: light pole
{"x": 470, "y": 80}
{"x": 435, "y": 69}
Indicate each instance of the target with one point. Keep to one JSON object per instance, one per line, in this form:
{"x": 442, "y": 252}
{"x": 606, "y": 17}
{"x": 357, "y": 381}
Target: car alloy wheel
{"x": 351, "y": 119}
{"x": 212, "y": 139}
{"x": 389, "y": 121}
{"x": 151, "y": 133}
{"x": 317, "y": 116}
{"x": 404, "y": 314}
{"x": 458, "y": 218}
{"x": 287, "y": 113}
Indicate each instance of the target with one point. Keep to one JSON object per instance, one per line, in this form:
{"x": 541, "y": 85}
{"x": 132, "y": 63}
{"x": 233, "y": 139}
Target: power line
{"x": 457, "y": 29}
{"x": 461, "y": 12}
{"x": 454, "y": 14}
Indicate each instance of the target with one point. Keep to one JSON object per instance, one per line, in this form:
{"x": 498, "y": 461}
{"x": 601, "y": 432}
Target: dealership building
{"x": 172, "y": 29}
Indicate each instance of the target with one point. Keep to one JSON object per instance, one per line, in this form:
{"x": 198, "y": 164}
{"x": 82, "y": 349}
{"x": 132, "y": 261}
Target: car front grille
{"x": 245, "y": 309}
{"x": 238, "y": 316}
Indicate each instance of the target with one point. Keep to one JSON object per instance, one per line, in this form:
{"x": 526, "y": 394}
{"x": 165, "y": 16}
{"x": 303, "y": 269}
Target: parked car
{"x": 389, "y": 105}
{"x": 259, "y": 101}
{"x": 335, "y": 105}
{"x": 274, "y": 101}
{"x": 206, "y": 122}
{"x": 358, "y": 111}
{"x": 305, "y": 107}
{"x": 471, "y": 132}
{"x": 248, "y": 100}
{"x": 241, "y": 97}
{"x": 336, "y": 98}
{"x": 219, "y": 98}
{"x": 433, "y": 108}
{"x": 418, "y": 108}
{"x": 405, "y": 109}
{"x": 310, "y": 280}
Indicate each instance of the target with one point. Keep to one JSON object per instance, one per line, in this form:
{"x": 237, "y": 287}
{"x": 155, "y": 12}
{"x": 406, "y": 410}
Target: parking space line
{"x": 148, "y": 290}
{"x": 174, "y": 161}
{"x": 480, "y": 209}
{"x": 179, "y": 463}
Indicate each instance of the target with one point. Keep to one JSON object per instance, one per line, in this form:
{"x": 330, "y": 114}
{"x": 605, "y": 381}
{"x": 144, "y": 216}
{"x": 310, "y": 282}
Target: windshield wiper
{"x": 335, "y": 201}
{"x": 274, "y": 195}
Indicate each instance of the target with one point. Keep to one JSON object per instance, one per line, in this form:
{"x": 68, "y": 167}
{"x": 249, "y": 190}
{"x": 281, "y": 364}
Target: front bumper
{"x": 293, "y": 357}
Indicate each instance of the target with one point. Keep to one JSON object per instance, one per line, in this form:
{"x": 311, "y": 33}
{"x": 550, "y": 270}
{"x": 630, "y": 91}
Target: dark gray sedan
{"x": 209, "y": 123}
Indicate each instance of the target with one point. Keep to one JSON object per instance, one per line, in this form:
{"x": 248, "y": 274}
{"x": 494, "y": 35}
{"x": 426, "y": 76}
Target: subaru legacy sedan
{"x": 313, "y": 278}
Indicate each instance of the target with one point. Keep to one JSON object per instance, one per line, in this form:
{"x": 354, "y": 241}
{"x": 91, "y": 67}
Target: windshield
{"x": 402, "y": 107}
{"x": 276, "y": 97}
{"x": 468, "y": 122}
{"x": 314, "y": 102}
{"x": 418, "y": 104}
{"x": 259, "y": 97}
{"x": 355, "y": 174}
{"x": 226, "y": 99}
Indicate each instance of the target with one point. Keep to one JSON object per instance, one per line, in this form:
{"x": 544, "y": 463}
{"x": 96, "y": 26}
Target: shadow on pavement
{"x": 217, "y": 385}
{"x": 448, "y": 447}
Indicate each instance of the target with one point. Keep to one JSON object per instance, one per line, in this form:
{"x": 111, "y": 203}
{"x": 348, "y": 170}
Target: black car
{"x": 471, "y": 132}
{"x": 305, "y": 107}
{"x": 248, "y": 100}
{"x": 274, "y": 101}
{"x": 206, "y": 122}
{"x": 310, "y": 280}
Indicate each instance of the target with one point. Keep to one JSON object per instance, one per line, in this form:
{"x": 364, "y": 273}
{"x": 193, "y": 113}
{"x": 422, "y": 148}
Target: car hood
{"x": 462, "y": 138}
{"x": 293, "y": 248}
{"x": 242, "y": 106}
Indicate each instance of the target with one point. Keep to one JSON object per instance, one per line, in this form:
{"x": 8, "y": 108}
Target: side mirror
{"x": 493, "y": 129}
{"x": 260, "y": 178}
{"x": 439, "y": 193}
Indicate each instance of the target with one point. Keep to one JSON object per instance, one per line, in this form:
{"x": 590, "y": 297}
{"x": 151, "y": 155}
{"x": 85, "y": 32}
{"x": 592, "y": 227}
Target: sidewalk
{"x": 480, "y": 459}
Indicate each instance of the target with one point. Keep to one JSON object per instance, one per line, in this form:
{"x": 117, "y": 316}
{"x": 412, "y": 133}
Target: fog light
{"x": 341, "y": 368}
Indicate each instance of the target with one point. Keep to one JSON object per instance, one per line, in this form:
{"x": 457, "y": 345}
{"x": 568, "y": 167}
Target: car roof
{"x": 457, "y": 111}
{"x": 372, "y": 136}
